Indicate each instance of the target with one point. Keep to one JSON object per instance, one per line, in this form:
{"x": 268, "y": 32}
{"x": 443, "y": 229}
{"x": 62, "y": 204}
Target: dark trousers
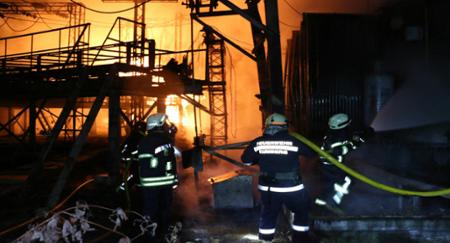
{"x": 297, "y": 202}
{"x": 157, "y": 203}
{"x": 331, "y": 175}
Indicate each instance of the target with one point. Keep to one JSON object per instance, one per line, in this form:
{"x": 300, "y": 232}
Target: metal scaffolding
{"x": 81, "y": 79}
{"x": 269, "y": 67}
{"x": 73, "y": 73}
{"x": 215, "y": 73}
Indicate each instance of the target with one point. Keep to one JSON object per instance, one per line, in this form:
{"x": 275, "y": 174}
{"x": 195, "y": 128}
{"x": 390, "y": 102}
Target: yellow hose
{"x": 366, "y": 179}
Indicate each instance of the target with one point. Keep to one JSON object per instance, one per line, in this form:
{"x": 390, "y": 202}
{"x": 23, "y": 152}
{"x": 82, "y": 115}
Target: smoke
{"x": 422, "y": 100}
{"x": 169, "y": 25}
{"x": 195, "y": 196}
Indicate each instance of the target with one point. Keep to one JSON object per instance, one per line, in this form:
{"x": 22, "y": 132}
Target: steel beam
{"x": 205, "y": 25}
{"x": 68, "y": 106}
{"x": 261, "y": 63}
{"x": 12, "y": 120}
{"x": 196, "y": 104}
{"x": 32, "y": 123}
{"x": 274, "y": 56}
{"x": 217, "y": 13}
{"x": 79, "y": 142}
{"x": 248, "y": 17}
{"x": 114, "y": 132}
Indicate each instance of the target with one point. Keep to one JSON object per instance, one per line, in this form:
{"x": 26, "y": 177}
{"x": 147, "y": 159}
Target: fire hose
{"x": 365, "y": 179}
{"x": 341, "y": 166}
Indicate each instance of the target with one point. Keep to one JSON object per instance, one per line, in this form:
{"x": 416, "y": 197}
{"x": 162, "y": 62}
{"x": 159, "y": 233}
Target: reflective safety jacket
{"x": 339, "y": 143}
{"x": 129, "y": 156}
{"x": 157, "y": 163}
{"x": 278, "y": 158}
{"x": 130, "y": 144}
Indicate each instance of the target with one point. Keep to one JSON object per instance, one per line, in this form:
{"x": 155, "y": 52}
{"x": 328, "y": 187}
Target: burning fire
{"x": 181, "y": 113}
{"x": 173, "y": 109}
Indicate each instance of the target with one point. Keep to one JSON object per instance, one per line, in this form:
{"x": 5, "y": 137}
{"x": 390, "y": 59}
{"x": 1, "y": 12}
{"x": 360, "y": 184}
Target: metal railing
{"x": 29, "y": 52}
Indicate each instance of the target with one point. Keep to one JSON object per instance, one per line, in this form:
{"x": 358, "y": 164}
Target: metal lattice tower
{"x": 267, "y": 57}
{"x": 138, "y": 102}
{"x": 139, "y": 29}
{"x": 77, "y": 16}
{"x": 215, "y": 74}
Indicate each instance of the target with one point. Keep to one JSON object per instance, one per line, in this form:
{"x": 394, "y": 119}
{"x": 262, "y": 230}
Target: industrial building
{"x": 77, "y": 76}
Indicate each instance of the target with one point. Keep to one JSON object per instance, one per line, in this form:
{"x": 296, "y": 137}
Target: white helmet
{"x": 276, "y": 119}
{"x": 339, "y": 121}
{"x": 156, "y": 121}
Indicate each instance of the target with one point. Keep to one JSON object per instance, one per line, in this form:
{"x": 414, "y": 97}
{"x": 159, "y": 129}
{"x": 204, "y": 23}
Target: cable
{"x": 18, "y": 226}
{"x": 232, "y": 94}
{"x": 109, "y": 12}
{"x": 240, "y": 41}
{"x": 28, "y": 20}
{"x": 195, "y": 40}
{"x": 50, "y": 27}
{"x": 39, "y": 15}
{"x": 289, "y": 25}
{"x": 71, "y": 194}
{"x": 4, "y": 22}
{"x": 25, "y": 29}
{"x": 232, "y": 38}
{"x": 100, "y": 23}
{"x": 43, "y": 21}
{"x": 292, "y": 7}
{"x": 65, "y": 212}
{"x": 366, "y": 179}
{"x": 51, "y": 210}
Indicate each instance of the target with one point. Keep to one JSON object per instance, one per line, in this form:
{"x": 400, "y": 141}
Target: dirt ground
{"x": 193, "y": 205}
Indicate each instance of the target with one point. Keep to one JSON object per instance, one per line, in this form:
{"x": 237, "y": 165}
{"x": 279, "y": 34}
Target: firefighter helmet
{"x": 339, "y": 121}
{"x": 156, "y": 121}
{"x": 140, "y": 126}
{"x": 276, "y": 119}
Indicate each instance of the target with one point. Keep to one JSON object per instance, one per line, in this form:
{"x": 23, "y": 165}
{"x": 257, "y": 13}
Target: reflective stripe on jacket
{"x": 278, "y": 158}
{"x": 157, "y": 161}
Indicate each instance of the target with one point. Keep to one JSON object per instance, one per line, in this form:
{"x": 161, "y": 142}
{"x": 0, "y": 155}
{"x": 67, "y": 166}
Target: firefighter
{"x": 280, "y": 183}
{"x": 338, "y": 142}
{"x": 157, "y": 171}
{"x": 129, "y": 146}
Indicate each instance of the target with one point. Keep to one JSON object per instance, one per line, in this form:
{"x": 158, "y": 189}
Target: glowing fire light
{"x": 172, "y": 109}
{"x": 184, "y": 106}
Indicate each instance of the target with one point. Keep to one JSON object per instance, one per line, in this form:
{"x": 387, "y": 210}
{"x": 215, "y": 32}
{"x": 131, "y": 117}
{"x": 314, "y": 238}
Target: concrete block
{"x": 232, "y": 190}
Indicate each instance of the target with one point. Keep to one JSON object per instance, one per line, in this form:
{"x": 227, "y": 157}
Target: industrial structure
{"x": 79, "y": 78}
{"x": 335, "y": 63}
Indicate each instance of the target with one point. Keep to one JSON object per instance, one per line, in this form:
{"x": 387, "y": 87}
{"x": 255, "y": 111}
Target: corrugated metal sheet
{"x": 326, "y": 64}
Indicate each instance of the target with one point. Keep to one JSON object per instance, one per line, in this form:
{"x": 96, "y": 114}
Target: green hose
{"x": 366, "y": 179}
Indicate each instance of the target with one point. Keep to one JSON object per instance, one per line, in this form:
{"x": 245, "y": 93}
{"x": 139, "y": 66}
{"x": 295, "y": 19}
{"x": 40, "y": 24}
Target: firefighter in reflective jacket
{"x": 280, "y": 183}
{"x": 157, "y": 171}
{"x": 338, "y": 142}
{"x": 128, "y": 148}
